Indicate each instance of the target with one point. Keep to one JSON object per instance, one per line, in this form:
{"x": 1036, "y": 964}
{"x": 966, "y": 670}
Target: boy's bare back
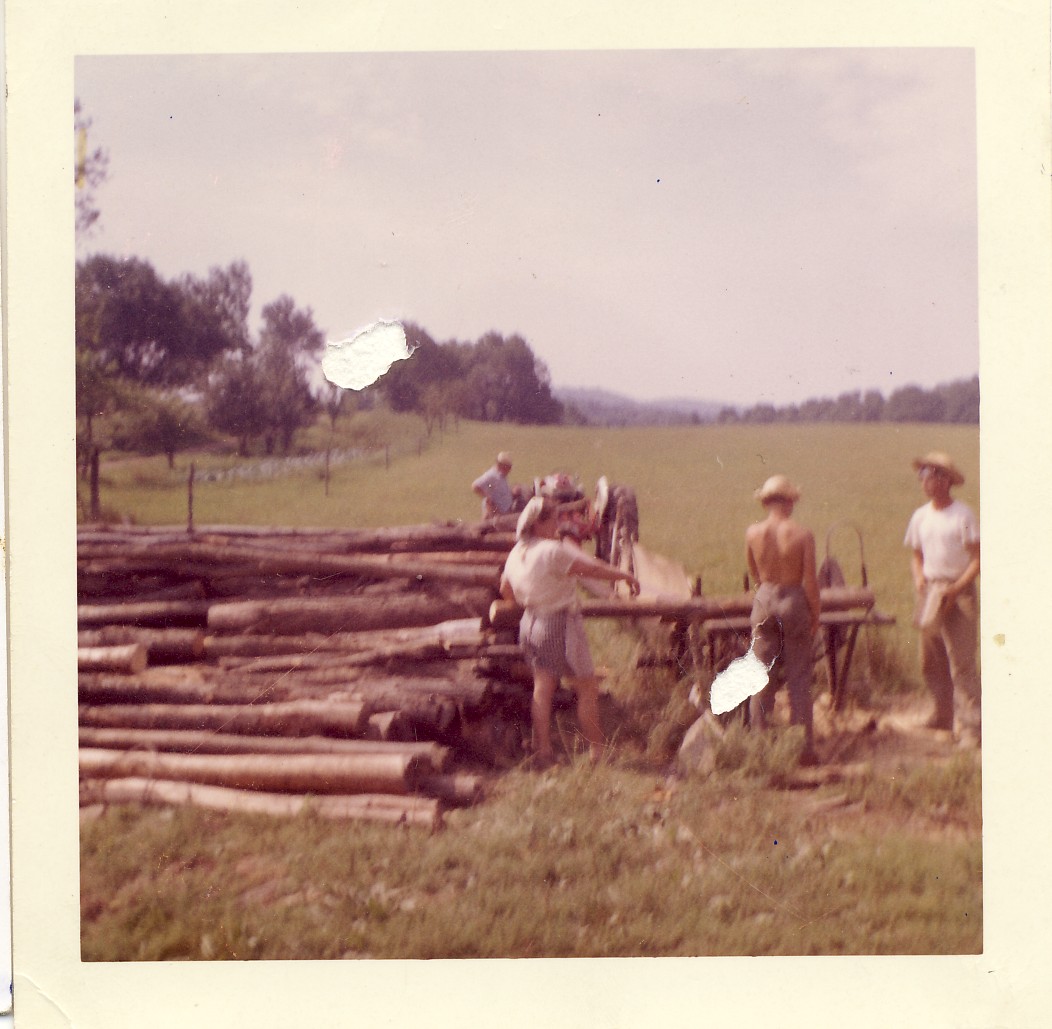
{"x": 779, "y": 551}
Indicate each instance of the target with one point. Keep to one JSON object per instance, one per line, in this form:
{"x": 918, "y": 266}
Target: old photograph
{"x": 516, "y": 520}
{"x": 659, "y": 352}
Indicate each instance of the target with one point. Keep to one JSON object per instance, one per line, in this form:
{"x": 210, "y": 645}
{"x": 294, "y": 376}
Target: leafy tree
{"x": 913, "y": 404}
{"x": 152, "y": 332}
{"x": 872, "y": 406}
{"x": 234, "y": 403}
{"x": 90, "y": 166}
{"x": 848, "y": 407}
{"x": 961, "y": 400}
{"x": 288, "y": 339}
{"x": 762, "y": 414}
{"x": 220, "y": 303}
{"x": 334, "y": 401}
{"x": 817, "y": 410}
{"x": 160, "y": 423}
{"x": 430, "y": 364}
{"x": 507, "y": 383}
{"x": 97, "y": 393}
{"x": 438, "y": 401}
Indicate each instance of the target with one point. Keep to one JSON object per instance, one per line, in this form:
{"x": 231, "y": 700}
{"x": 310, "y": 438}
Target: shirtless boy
{"x": 781, "y": 558}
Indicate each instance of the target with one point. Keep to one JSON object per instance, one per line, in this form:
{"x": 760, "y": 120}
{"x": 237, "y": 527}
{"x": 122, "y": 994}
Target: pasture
{"x": 617, "y": 860}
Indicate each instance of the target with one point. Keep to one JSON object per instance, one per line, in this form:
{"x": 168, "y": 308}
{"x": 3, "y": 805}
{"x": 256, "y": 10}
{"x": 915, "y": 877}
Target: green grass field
{"x": 577, "y": 862}
{"x": 694, "y": 485}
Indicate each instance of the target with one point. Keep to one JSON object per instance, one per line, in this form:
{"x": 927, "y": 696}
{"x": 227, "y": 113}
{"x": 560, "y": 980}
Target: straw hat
{"x": 530, "y": 513}
{"x": 937, "y": 459}
{"x": 777, "y": 486}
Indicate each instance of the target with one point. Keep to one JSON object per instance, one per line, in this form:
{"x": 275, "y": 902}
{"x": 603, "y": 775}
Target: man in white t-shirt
{"x": 944, "y": 538}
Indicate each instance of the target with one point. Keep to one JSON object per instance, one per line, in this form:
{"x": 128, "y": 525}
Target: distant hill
{"x": 601, "y": 407}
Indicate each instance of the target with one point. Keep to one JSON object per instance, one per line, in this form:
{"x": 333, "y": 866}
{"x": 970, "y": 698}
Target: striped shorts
{"x": 555, "y": 642}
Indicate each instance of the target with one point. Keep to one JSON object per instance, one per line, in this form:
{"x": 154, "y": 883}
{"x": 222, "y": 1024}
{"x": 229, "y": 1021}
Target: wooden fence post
{"x": 94, "y": 484}
{"x": 190, "y": 500}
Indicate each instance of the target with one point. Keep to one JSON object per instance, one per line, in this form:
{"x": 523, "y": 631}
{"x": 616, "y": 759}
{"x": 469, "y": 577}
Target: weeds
{"x": 578, "y": 861}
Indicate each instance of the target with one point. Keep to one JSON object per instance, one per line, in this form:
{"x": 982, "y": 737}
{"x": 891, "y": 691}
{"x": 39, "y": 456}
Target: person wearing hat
{"x": 494, "y": 489}
{"x": 943, "y": 536}
{"x": 540, "y": 574}
{"x": 785, "y": 613}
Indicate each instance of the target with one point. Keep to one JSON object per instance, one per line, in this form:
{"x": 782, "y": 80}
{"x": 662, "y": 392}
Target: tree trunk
{"x": 181, "y": 685}
{"x": 163, "y": 646}
{"x": 129, "y": 658}
{"x": 113, "y": 591}
{"x": 280, "y": 773}
{"x": 293, "y": 718}
{"x": 505, "y": 614}
{"x": 399, "y": 810}
{"x": 94, "y": 506}
{"x": 248, "y": 560}
{"x": 390, "y": 727}
{"x": 345, "y": 614}
{"x": 162, "y": 614}
{"x": 448, "y": 536}
{"x": 459, "y": 632}
{"x": 188, "y": 741}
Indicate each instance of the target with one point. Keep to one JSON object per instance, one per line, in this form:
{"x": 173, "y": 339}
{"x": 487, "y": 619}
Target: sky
{"x": 738, "y": 226}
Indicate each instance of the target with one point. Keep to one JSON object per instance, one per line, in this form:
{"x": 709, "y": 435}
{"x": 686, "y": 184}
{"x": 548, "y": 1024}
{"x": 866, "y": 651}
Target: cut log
{"x": 399, "y": 652}
{"x": 484, "y": 558}
{"x": 179, "y": 685}
{"x": 278, "y": 773}
{"x": 294, "y": 718}
{"x": 466, "y": 631}
{"x": 161, "y": 614}
{"x": 129, "y": 658}
{"x": 387, "y": 692}
{"x": 389, "y": 726}
{"x": 439, "y": 536}
{"x": 190, "y": 742}
{"x": 287, "y": 562}
{"x": 397, "y": 810}
{"x": 346, "y": 614}
{"x": 420, "y": 717}
{"x": 112, "y": 588}
{"x": 505, "y": 613}
{"x": 163, "y": 646}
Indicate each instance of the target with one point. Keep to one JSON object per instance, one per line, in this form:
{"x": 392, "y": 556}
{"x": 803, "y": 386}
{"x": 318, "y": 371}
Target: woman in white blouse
{"x": 540, "y": 574}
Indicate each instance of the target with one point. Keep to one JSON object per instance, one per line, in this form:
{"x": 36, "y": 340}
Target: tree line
{"x": 164, "y": 365}
{"x": 955, "y": 402}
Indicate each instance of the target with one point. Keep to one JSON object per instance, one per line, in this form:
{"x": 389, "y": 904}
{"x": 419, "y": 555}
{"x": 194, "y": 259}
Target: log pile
{"x": 277, "y": 670}
{"x": 346, "y": 672}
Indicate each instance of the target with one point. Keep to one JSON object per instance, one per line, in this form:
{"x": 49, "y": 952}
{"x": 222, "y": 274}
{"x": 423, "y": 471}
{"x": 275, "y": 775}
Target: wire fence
{"x": 275, "y": 467}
